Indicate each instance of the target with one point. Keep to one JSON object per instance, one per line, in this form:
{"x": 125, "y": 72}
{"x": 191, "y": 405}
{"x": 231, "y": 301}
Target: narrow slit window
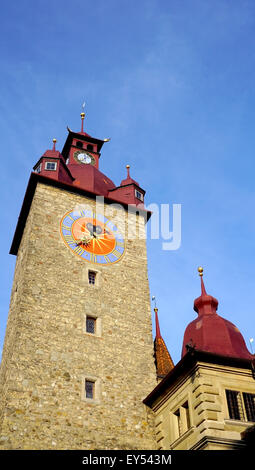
{"x": 92, "y": 278}
{"x": 178, "y": 421}
{"x": 89, "y": 389}
{"x": 91, "y": 325}
{"x": 187, "y": 416}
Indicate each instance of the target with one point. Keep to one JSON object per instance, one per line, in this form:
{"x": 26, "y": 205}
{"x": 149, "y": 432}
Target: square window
{"x": 90, "y": 325}
{"x": 89, "y": 389}
{"x": 241, "y": 405}
{"x": 92, "y": 278}
{"x": 51, "y": 166}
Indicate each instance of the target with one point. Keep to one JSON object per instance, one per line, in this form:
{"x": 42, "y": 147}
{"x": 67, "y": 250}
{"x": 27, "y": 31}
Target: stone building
{"x": 207, "y": 401}
{"x": 79, "y": 367}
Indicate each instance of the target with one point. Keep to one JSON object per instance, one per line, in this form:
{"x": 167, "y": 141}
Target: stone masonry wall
{"x": 47, "y": 352}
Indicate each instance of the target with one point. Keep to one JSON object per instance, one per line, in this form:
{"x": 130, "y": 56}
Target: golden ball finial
{"x": 54, "y": 141}
{"x": 82, "y": 115}
{"x": 127, "y": 166}
{"x": 200, "y": 270}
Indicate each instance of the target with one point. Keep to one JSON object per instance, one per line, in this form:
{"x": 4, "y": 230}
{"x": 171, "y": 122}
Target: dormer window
{"x": 79, "y": 144}
{"x": 90, "y": 147}
{"x": 52, "y": 166}
{"x": 38, "y": 168}
{"x": 139, "y": 195}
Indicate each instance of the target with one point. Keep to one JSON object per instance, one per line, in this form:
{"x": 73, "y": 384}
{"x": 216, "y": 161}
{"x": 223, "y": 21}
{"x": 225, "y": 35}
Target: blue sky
{"x": 172, "y": 84}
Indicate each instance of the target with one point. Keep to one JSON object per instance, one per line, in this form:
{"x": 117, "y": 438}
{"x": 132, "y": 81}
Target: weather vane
{"x": 82, "y": 115}
{"x": 154, "y": 300}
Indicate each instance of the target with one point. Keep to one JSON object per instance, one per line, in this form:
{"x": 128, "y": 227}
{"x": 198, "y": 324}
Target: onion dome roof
{"x": 212, "y": 333}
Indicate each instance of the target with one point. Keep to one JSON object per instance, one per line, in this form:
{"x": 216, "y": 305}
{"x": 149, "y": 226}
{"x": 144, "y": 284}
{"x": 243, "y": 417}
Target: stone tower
{"x": 78, "y": 354}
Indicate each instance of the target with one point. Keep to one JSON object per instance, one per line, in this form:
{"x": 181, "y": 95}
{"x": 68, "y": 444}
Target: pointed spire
{"x": 158, "y": 335}
{"x": 163, "y": 359}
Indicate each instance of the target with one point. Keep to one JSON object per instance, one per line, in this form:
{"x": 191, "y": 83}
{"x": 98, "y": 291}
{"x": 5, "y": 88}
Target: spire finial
{"x": 82, "y": 116}
{"x": 127, "y": 167}
{"x": 201, "y": 272}
{"x": 158, "y": 334}
{"x": 54, "y": 144}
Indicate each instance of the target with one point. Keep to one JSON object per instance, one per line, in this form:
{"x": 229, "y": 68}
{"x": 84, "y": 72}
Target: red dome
{"x": 212, "y": 333}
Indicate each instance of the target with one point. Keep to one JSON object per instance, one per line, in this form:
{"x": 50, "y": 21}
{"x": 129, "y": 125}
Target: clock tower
{"x": 78, "y": 357}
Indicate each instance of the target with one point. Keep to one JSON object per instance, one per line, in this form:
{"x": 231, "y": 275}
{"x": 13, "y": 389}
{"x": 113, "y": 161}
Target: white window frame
{"x": 139, "y": 195}
{"x": 51, "y": 163}
{"x": 38, "y": 169}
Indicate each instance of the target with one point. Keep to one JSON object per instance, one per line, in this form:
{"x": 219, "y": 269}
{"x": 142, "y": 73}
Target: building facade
{"x": 207, "y": 401}
{"x": 79, "y": 367}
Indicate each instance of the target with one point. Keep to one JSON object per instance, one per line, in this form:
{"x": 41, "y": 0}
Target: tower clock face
{"x": 84, "y": 157}
{"x": 92, "y": 237}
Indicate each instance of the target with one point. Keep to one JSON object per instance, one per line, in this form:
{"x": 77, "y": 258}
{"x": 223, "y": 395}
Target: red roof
{"x": 90, "y": 178}
{"x": 163, "y": 359}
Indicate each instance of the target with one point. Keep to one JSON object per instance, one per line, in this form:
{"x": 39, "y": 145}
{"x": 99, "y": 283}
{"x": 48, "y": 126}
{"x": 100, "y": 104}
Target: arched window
{"x": 79, "y": 144}
{"x": 90, "y": 147}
